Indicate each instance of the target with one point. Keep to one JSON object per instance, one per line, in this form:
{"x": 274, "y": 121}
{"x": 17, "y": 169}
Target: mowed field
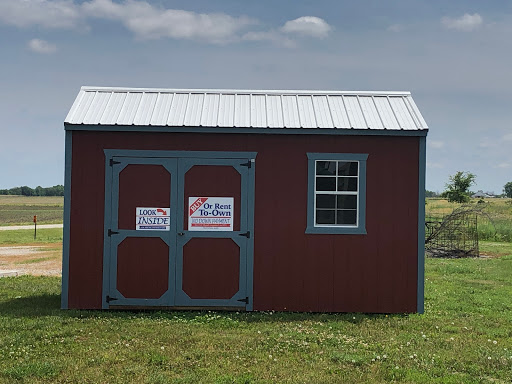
{"x": 20, "y": 210}
{"x": 465, "y": 335}
{"x": 494, "y": 224}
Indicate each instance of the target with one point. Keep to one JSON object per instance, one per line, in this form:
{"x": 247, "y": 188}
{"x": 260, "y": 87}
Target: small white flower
{"x": 162, "y": 348}
{"x": 384, "y": 356}
{"x": 494, "y": 342}
{"x": 378, "y": 357}
{"x": 270, "y": 356}
{"x": 353, "y": 361}
{"x": 396, "y": 367}
{"x": 489, "y": 358}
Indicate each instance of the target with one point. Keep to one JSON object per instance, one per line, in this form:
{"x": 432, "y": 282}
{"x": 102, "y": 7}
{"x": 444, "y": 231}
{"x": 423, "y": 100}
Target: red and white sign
{"x": 152, "y": 219}
{"x": 210, "y": 213}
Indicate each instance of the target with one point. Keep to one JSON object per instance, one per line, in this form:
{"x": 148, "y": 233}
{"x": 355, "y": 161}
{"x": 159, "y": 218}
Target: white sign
{"x": 210, "y": 213}
{"x": 152, "y": 219}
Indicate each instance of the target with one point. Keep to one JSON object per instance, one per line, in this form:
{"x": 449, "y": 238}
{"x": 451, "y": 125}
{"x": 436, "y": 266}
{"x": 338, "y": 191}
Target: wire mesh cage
{"x": 455, "y": 236}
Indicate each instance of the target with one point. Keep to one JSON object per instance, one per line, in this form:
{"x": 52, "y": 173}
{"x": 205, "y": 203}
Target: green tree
{"x": 457, "y": 189}
{"x": 507, "y": 189}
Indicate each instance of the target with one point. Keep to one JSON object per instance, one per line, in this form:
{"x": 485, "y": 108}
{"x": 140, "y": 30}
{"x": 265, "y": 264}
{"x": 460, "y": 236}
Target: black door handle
{"x": 181, "y": 233}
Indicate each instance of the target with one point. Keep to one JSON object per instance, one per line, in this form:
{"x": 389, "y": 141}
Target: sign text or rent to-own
{"x": 210, "y": 213}
{"x": 156, "y": 219}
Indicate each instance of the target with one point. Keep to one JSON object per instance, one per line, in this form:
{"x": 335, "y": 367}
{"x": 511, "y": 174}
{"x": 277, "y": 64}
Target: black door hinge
{"x": 111, "y": 232}
{"x": 112, "y": 162}
{"x": 244, "y": 300}
{"x": 109, "y": 299}
{"x": 246, "y": 234}
{"x": 248, "y": 164}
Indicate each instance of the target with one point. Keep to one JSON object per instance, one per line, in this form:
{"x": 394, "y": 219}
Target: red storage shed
{"x": 247, "y": 200}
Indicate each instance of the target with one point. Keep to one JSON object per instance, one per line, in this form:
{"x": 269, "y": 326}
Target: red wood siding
{"x": 293, "y": 271}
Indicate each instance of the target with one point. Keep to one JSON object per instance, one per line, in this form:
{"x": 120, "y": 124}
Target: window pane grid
{"x": 336, "y": 178}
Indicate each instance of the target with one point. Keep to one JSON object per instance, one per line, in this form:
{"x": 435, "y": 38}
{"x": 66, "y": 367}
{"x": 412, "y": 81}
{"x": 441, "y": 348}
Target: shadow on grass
{"x": 49, "y": 305}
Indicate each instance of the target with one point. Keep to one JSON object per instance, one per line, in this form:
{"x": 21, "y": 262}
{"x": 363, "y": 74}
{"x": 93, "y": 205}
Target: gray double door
{"x": 151, "y": 256}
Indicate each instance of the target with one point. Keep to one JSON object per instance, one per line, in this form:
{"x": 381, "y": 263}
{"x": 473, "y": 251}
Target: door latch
{"x": 246, "y": 234}
{"x": 244, "y": 300}
{"x": 108, "y": 299}
{"x": 111, "y": 232}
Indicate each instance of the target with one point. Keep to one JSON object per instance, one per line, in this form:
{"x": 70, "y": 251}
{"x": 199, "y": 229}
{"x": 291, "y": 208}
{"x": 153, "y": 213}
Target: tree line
{"x": 56, "y": 190}
{"x": 457, "y": 188}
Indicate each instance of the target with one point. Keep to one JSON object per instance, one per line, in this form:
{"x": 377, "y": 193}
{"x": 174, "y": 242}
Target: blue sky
{"x": 454, "y": 56}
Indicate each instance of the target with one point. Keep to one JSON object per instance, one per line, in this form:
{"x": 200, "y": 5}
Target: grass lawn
{"x": 465, "y": 336}
{"x": 26, "y": 236}
{"x": 20, "y": 210}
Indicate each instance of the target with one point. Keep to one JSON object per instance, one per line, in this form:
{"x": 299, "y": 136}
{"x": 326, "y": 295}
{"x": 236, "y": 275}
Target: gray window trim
{"x": 360, "y": 228}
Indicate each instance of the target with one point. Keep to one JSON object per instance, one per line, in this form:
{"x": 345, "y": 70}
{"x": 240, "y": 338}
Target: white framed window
{"x": 336, "y": 193}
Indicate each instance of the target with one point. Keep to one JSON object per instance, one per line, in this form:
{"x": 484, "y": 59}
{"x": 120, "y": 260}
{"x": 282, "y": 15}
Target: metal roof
{"x": 245, "y": 109}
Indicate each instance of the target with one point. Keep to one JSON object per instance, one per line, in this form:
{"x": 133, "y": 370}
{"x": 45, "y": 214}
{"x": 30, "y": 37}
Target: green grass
{"x": 20, "y": 210}
{"x": 495, "y": 224}
{"x": 493, "y": 248}
{"x": 24, "y": 236}
{"x": 465, "y": 336}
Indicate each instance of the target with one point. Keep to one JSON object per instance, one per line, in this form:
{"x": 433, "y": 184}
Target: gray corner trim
{"x": 360, "y": 229}
{"x": 67, "y": 221}
{"x": 282, "y": 131}
{"x": 421, "y": 226}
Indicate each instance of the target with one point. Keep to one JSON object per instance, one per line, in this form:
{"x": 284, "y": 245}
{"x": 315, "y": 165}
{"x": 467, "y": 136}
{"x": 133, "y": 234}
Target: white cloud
{"x": 308, "y": 26}
{"x": 435, "y": 144}
{"x": 507, "y": 137}
{"x": 505, "y": 165}
{"x": 44, "y": 13}
{"x": 149, "y": 22}
{"x": 42, "y": 46}
{"x": 464, "y": 23}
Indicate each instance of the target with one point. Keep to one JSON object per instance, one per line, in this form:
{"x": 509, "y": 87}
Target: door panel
{"x": 211, "y": 268}
{"x": 221, "y": 277}
{"x": 141, "y": 262}
{"x": 214, "y": 181}
{"x": 142, "y": 274}
{"x": 142, "y": 185}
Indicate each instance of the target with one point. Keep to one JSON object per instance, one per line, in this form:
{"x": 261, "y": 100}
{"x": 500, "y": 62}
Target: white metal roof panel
{"x": 338, "y": 112}
{"x": 322, "y": 112}
{"x": 245, "y": 109}
{"x": 210, "y": 110}
{"x": 290, "y": 111}
{"x": 97, "y": 107}
{"x": 147, "y": 106}
{"x": 354, "y": 112}
{"x": 162, "y": 109}
{"x": 386, "y": 112}
{"x": 258, "y": 111}
{"x": 226, "y": 111}
{"x": 370, "y": 112}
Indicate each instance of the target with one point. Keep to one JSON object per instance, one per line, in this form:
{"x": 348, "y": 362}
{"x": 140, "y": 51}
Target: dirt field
{"x": 33, "y": 259}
